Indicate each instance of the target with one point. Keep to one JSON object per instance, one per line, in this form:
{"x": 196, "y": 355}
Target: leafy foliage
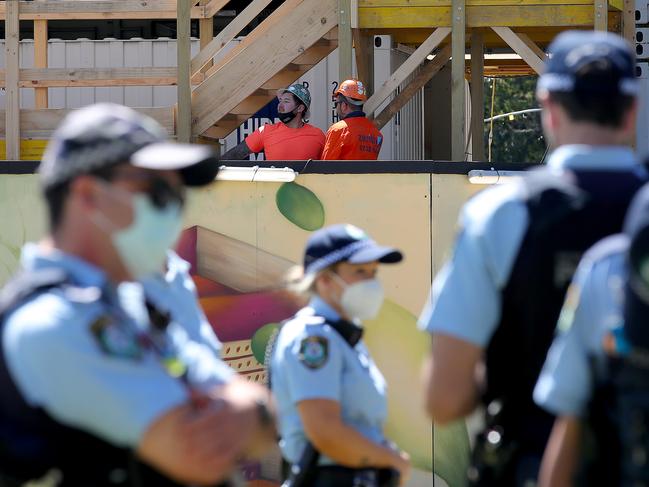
{"x": 518, "y": 138}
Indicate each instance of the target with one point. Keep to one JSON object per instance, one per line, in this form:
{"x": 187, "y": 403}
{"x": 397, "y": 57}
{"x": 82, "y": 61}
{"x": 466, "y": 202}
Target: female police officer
{"x": 330, "y": 394}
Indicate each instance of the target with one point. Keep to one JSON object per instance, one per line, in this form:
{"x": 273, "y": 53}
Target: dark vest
{"x": 567, "y": 215}
{"x": 32, "y": 443}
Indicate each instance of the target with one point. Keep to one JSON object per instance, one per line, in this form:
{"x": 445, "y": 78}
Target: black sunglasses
{"x": 163, "y": 194}
{"x": 159, "y": 191}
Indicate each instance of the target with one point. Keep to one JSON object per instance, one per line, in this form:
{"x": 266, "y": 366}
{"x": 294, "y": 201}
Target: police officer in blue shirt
{"x": 604, "y": 317}
{"x": 93, "y": 392}
{"x": 495, "y": 304}
{"x": 330, "y": 394}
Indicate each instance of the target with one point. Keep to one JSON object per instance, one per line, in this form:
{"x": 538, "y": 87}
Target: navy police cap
{"x": 344, "y": 243}
{"x": 589, "y": 62}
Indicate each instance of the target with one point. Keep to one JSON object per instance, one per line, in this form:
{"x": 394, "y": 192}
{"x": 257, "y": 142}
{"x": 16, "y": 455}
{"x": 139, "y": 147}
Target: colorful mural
{"x": 242, "y": 237}
{"x": 275, "y": 221}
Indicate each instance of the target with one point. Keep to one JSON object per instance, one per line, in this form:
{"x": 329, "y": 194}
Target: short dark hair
{"x": 607, "y": 111}
{"x": 349, "y": 102}
{"x": 56, "y": 196}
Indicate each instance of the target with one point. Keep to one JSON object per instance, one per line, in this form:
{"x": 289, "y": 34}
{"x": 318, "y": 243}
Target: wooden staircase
{"x": 292, "y": 40}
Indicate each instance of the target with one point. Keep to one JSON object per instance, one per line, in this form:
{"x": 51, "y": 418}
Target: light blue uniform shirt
{"x": 311, "y": 360}
{"x": 593, "y": 308}
{"x": 465, "y": 299}
{"x": 74, "y": 351}
{"x": 174, "y": 292}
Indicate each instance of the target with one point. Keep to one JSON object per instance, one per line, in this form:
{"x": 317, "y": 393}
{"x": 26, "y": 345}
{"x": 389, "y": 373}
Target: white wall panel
{"x": 106, "y": 53}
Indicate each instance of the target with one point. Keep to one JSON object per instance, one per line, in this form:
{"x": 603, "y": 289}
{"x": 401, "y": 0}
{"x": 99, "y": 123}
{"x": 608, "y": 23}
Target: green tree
{"x": 518, "y": 138}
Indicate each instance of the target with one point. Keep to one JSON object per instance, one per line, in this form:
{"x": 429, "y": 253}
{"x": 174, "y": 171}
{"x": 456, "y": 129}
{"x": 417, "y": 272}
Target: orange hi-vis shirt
{"x": 280, "y": 142}
{"x": 353, "y": 138}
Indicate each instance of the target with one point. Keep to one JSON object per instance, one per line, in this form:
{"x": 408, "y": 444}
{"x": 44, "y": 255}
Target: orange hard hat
{"x": 352, "y": 89}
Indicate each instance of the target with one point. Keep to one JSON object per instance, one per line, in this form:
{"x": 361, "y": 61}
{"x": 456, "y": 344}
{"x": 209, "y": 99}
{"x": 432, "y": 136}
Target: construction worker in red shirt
{"x": 292, "y": 138}
{"x": 354, "y": 137}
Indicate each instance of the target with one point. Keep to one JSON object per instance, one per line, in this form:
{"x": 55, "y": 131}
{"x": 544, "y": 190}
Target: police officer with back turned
{"x": 596, "y": 376}
{"x": 495, "y": 304}
{"x": 93, "y": 394}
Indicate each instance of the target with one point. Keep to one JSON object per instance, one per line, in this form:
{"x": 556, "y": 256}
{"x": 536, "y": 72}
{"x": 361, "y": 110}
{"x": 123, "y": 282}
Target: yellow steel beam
{"x": 469, "y": 3}
{"x": 601, "y": 15}
{"x": 482, "y": 16}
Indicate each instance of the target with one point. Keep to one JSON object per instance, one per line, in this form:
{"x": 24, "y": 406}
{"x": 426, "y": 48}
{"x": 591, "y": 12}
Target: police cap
{"x": 106, "y": 134}
{"x": 344, "y": 243}
{"x": 590, "y": 62}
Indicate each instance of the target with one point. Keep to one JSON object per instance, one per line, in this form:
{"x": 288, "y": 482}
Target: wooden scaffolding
{"x": 214, "y": 99}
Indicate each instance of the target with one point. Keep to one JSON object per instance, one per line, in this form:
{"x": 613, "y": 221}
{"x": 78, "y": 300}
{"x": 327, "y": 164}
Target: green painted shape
{"x": 300, "y": 206}
{"x": 399, "y": 347}
{"x": 260, "y": 339}
{"x": 451, "y": 453}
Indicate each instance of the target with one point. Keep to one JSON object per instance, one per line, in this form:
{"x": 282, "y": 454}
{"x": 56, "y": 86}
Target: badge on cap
{"x": 115, "y": 341}
{"x": 314, "y": 351}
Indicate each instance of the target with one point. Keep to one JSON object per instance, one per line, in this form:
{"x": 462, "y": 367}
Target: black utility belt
{"x": 338, "y": 476}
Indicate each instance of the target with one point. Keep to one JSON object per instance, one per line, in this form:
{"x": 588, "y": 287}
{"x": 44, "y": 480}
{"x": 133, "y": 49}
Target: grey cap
{"x": 106, "y": 134}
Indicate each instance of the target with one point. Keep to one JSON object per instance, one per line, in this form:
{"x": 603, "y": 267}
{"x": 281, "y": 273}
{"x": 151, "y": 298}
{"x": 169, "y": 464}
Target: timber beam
{"x": 227, "y": 34}
{"x": 424, "y": 75}
{"x": 520, "y": 47}
{"x": 42, "y": 123}
{"x": 42, "y": 78}
{"x": 99, "y": 10}
{"x": 406, "y": 69}
{"x": 12, "y": 91}
{"x": 477, "y": 95}
{"x": 274, "y": 48}
{"x": 458, "y": 73}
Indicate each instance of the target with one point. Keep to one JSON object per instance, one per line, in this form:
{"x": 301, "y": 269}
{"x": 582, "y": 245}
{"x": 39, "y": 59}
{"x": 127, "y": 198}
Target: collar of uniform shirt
{"x": 33, "y": 257}
{"x": 323, "y": 309}
{"x": 612, "y": 157}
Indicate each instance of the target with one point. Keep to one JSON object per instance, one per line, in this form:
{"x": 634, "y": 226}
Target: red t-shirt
{"x": 280, "y": 142}
{"x": 354, "y": 138}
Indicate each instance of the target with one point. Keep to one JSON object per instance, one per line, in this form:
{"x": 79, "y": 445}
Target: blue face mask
{"x": 143, "y": 245}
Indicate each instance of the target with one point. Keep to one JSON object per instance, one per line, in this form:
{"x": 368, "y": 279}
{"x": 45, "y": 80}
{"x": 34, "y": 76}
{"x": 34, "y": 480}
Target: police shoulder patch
{"x": 115, "y": 341}
{"x": 314, "y": 351}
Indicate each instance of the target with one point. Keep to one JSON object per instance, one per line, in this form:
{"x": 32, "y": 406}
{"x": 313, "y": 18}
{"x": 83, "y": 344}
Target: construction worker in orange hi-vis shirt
{"x": 292, "y": 138}
{"x": 354, "y": 137}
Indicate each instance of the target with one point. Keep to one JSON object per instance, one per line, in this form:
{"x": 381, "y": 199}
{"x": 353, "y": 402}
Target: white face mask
{"x": 143, "y": 245}
{"x": 361, "y": 300}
